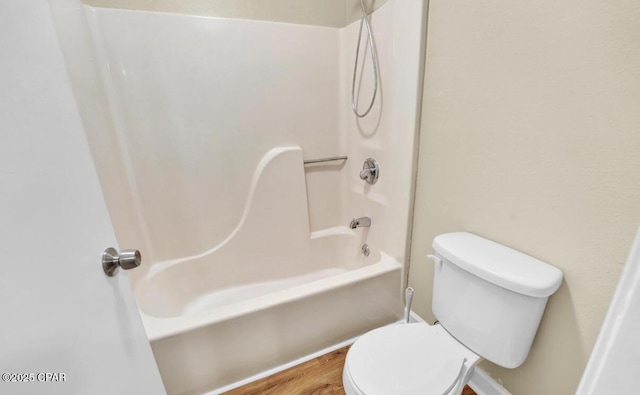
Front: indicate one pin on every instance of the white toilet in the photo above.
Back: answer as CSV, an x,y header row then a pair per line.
x,y
489,300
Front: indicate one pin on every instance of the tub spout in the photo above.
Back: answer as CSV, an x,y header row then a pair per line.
x,y
360,222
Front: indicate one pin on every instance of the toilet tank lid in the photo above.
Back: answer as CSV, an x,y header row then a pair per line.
x,y
498,264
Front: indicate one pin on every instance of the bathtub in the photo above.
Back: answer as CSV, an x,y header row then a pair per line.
x,y
226,335
260,299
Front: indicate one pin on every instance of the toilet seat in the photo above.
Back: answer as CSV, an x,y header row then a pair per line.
x,y
406,359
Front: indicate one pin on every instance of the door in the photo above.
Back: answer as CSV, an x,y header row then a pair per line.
x,y
614,361
65,327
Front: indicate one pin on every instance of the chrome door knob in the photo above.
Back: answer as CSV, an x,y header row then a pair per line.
x,y
127,259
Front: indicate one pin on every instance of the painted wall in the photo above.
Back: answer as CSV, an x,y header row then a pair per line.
x,y
530,137
330,13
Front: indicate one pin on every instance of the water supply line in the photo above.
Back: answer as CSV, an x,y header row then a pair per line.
x,y
408,298
374,60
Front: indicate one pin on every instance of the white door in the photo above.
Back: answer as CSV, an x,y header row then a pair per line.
x,y
65,327
614,364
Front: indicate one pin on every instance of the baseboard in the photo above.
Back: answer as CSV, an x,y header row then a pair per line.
x,y
483,384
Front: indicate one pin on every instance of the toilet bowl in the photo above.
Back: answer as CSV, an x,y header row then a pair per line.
x,y
407,359
489,300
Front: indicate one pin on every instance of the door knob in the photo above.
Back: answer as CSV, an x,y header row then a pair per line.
x,y
126,259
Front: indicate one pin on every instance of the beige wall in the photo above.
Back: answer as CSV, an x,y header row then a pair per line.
x,y
331,13
531,137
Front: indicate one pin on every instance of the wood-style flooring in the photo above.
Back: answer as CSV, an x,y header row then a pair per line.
x,y
319,376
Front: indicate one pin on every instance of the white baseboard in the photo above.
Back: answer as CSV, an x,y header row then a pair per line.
x,y
483,384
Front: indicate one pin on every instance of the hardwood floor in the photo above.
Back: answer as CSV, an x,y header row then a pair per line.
x,y
319,376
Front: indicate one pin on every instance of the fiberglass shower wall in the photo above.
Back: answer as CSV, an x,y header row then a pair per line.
x,y
199,102
185,107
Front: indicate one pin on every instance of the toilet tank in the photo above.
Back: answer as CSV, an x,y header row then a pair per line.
x,y
490,297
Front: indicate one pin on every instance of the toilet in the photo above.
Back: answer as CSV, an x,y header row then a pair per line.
x,y
488,299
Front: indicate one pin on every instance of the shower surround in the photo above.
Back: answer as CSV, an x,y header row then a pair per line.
x,y
199,127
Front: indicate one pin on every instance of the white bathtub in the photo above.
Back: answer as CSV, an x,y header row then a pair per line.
x,y
213,339
270,293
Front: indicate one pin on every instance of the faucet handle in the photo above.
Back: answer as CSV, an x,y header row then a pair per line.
x,y
370,171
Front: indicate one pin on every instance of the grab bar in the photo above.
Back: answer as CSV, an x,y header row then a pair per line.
x,y
331,159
